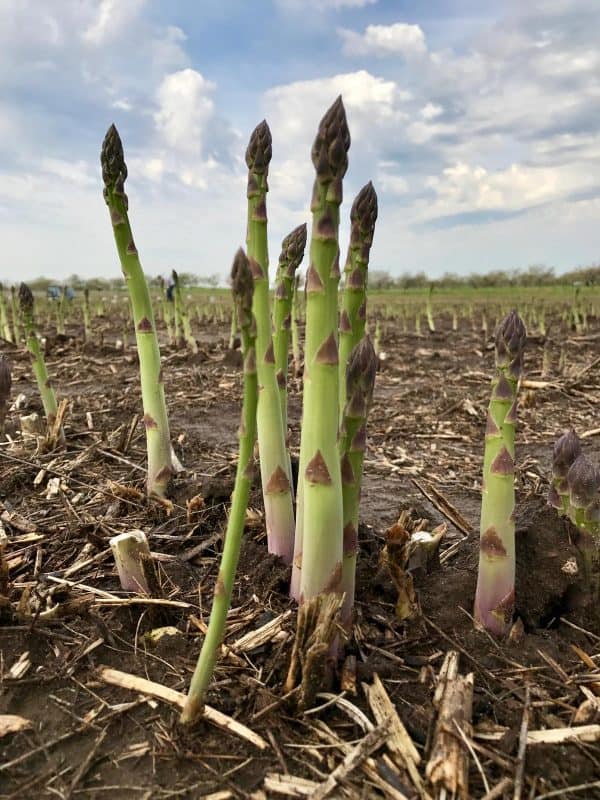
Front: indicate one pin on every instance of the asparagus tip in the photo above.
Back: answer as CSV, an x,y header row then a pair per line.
x,y
259,150
566,449
584,481
331,145
112,160
25,297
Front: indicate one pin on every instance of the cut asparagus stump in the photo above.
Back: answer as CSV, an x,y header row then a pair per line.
x,y
353,315
494,597
274,462
242,288
114,174
360,380
134,563
318,548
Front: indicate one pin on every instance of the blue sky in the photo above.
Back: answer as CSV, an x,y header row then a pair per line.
x,y
478,123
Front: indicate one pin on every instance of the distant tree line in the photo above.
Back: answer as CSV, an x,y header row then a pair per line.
x,y
535,275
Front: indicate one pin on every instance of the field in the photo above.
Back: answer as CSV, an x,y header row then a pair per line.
x,y
65,619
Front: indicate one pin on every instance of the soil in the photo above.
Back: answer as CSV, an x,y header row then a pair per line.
x,y
87,738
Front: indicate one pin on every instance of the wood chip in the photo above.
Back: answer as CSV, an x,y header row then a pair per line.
x,y
127,681
12,723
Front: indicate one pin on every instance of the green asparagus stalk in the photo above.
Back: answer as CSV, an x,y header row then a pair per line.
x,y
33,345
360,380
318,547
353,315
296,354
429,310
242,288
181,313
14,304
60,312
114,174
292,253
274,465
4,324
87,328
5,385
494,598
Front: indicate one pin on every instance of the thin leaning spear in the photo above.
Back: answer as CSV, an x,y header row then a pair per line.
x,y
242,289
274,463
114,174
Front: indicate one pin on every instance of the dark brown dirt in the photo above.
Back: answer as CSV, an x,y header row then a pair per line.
x,y
88,739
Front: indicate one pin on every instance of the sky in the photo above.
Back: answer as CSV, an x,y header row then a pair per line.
x,y
478,123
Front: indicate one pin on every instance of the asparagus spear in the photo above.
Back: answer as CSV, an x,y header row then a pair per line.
x,y
295,332
114,174
494,598
363,216
274,465
292,253
318,548
86,315
583,480
5,385
566,450
242,288
33,345
4,324
360,380
183,316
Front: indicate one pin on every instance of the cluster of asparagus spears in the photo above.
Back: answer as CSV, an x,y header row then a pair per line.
x,y
575,486
321,537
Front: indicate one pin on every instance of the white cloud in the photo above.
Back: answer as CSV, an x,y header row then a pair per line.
x,y
324,5
185,107
112,17
431,111
385,40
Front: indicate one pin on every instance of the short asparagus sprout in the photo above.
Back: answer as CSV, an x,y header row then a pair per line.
x,y
360,381
242,289
114,174
494,598
567,449
26,303
583,479
274,459
318,551
5,386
